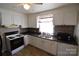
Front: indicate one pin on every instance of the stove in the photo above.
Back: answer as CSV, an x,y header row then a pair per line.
x,y
14,36
14,43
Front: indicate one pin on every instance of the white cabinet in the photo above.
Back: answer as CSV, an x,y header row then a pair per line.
x,y
66,49
70,17
35,41
65,17
58,18
49,46
46,45
9,18
38,42
26,40
53,47
32,40
20,20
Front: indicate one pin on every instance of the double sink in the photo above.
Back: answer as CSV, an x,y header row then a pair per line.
x,y
46,36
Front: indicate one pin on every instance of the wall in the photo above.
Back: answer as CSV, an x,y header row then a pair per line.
x,y
32,17
10,17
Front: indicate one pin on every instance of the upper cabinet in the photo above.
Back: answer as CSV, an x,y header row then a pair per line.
x,y
20,19
70,17
58,18
10,17
6,18
65,17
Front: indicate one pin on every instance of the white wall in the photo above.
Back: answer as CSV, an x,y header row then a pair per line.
x,y
10,17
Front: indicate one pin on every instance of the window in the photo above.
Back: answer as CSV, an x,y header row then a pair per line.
x,y
45,24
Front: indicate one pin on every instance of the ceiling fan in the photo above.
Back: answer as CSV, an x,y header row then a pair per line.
x,y
27,6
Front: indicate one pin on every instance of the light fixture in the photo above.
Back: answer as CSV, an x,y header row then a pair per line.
x,y
26,6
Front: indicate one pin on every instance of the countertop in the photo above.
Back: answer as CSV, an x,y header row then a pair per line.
x,y
53,38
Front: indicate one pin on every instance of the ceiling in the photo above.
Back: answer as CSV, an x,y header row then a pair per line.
x,y
34,8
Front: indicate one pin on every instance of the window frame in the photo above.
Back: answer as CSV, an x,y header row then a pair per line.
x,y
39,17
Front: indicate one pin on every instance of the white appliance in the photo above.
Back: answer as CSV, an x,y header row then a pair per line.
x,y
14,43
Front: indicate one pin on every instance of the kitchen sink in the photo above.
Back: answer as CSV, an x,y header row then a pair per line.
x,y
47,37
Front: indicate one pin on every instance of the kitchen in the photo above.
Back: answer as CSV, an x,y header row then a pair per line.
x,y
53,31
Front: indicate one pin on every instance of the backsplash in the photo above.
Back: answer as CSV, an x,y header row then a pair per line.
x,y
23,30
29,30
64,28
59,28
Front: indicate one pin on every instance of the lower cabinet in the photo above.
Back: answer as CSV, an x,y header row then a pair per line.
x,y
32,40
54,47
66,49
46,45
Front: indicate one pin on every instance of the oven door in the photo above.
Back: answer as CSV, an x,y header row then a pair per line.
x,y
16,43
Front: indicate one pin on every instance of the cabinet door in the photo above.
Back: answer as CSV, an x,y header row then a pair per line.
x,y
49,46
38,42
45,44
32,41
66,49
70,17
20,20
58,18
26,40
7,19
53,47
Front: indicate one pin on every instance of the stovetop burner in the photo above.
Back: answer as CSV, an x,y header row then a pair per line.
x,y
11,37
